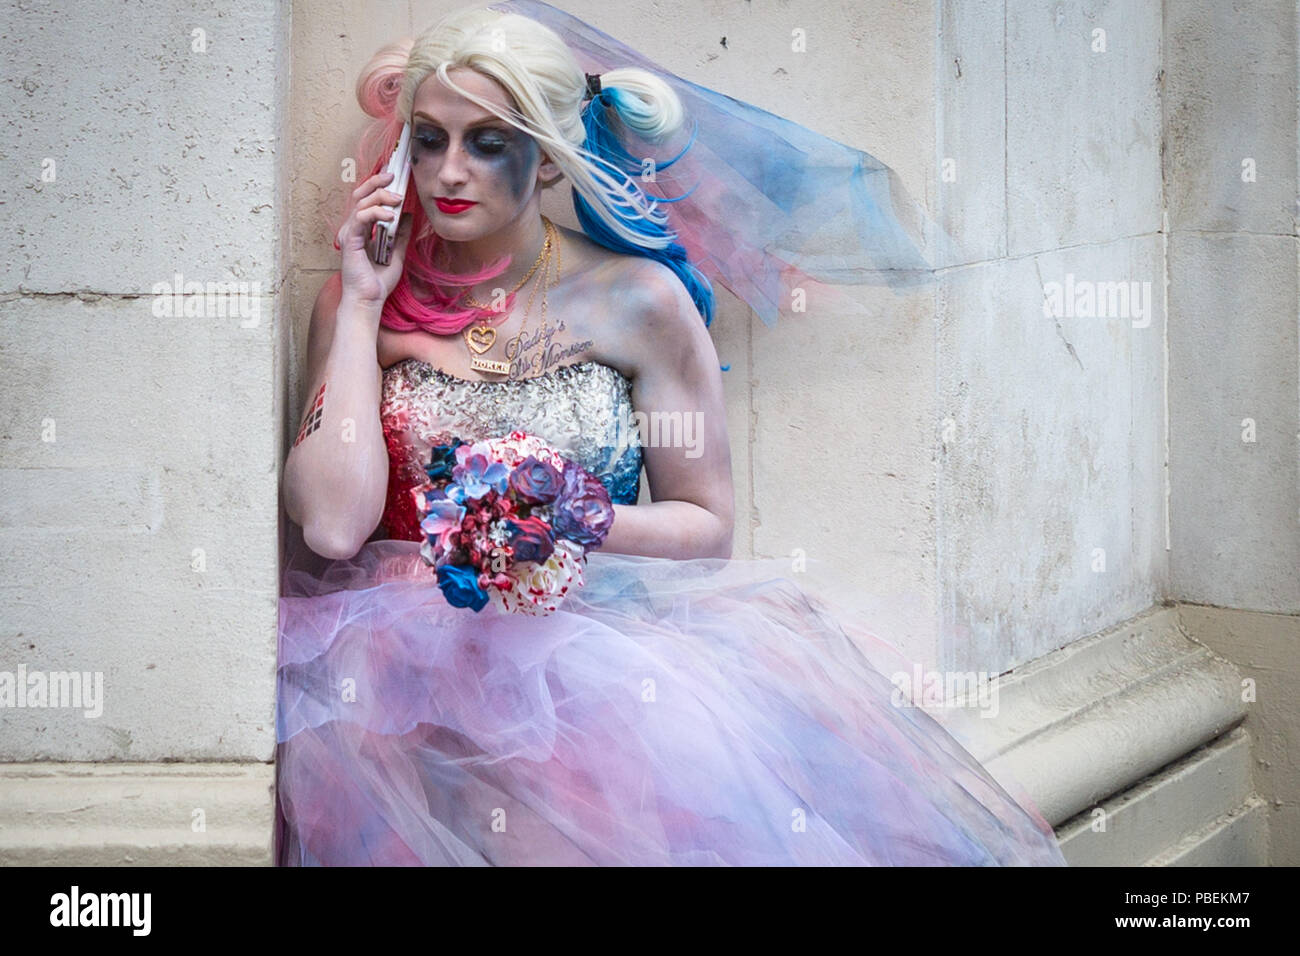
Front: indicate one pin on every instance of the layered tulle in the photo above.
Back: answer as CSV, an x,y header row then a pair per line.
x,y
701,712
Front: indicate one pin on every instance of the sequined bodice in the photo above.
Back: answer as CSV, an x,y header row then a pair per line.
x,y
583,409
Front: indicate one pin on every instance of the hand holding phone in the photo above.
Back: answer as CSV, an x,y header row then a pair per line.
x,y
399,164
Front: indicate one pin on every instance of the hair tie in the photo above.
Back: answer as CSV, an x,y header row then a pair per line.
x,y
593,84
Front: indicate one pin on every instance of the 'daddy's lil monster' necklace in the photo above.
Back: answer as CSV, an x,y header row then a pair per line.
x,y
481,336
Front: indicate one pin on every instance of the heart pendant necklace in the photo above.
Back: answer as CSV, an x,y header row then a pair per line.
x,y
480,337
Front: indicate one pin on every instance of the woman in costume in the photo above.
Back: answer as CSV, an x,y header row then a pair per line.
x,y
679,707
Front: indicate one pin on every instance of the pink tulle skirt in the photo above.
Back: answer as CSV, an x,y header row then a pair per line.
x,y
701,712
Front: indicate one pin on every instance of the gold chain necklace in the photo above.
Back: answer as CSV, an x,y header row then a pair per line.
x,y
544,282
471,301
480,338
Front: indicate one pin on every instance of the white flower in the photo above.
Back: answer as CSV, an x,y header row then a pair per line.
x,y
497,532
539,588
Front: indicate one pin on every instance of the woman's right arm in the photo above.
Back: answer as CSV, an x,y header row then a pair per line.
x,y
336,477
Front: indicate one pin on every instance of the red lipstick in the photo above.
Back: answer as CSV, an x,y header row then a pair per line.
x,y
452,206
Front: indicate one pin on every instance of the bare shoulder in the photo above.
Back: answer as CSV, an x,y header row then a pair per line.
x,y
634,310
667,329
657,295
648,308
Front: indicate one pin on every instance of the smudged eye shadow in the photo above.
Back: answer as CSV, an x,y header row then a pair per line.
x,y
517,162
507,151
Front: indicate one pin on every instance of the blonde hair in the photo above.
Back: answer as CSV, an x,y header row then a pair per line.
x,y
539,72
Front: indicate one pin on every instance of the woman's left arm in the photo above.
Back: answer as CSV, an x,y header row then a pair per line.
x,y
681,416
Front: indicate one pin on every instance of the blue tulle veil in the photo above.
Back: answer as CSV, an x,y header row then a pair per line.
x,y
775,212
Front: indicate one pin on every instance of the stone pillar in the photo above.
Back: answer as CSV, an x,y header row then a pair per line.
x,y
141,299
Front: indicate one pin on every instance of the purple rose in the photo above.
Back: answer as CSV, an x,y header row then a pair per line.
x,y
530,538
583,513
535,482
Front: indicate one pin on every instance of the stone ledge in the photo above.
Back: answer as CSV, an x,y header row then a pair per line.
x,y
110,814
1146,820
1095,717
1238,838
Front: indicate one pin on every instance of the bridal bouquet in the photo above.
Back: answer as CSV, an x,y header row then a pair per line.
x,y
509,520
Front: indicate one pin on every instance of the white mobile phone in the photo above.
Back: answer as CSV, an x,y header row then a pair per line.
x,y
399,164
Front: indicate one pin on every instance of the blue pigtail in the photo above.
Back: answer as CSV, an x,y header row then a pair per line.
x,y
605,146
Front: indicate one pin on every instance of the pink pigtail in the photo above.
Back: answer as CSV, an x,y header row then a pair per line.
x,y
380,82
378,87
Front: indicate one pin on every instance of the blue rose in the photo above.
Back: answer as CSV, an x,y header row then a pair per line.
x,y
460,587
